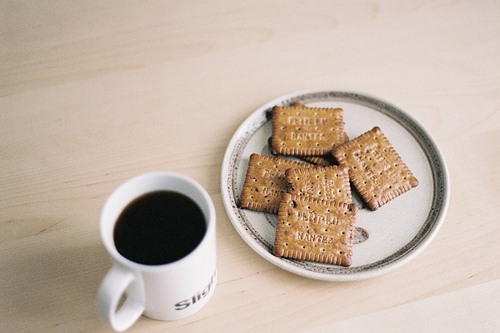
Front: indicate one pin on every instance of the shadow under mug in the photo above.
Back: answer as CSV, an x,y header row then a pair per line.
x,y
168,291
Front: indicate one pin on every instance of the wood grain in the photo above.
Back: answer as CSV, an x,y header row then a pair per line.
x,y
94,93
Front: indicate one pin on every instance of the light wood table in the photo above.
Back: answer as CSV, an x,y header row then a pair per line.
x,y
93,93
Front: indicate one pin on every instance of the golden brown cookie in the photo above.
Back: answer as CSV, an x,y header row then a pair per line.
x,y
265,182
375,168
306,131
327,183
327,156
326,160
315,230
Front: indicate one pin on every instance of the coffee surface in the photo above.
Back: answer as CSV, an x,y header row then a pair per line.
x,y
159,227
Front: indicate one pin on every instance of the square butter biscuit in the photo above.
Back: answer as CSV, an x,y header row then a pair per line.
x,y
326,160
265,182
299,130
328,183
315,230
375,168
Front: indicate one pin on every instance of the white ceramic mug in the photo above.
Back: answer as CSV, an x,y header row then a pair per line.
x,y
165,292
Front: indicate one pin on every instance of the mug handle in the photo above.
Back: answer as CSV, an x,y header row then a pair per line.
x,y
120,281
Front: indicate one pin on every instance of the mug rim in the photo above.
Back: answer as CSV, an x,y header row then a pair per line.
x,y
104,224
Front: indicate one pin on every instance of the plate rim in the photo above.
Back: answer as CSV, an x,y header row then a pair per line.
x,y
287,264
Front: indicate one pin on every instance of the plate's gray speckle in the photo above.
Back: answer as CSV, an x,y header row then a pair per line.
x,y
361,235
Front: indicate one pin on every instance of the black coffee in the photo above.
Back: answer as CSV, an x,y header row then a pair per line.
x,y
159,227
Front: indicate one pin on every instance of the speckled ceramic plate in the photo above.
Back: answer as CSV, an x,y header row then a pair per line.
x,y
390,236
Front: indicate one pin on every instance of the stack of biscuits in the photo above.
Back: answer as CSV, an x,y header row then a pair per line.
x,y
316,214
